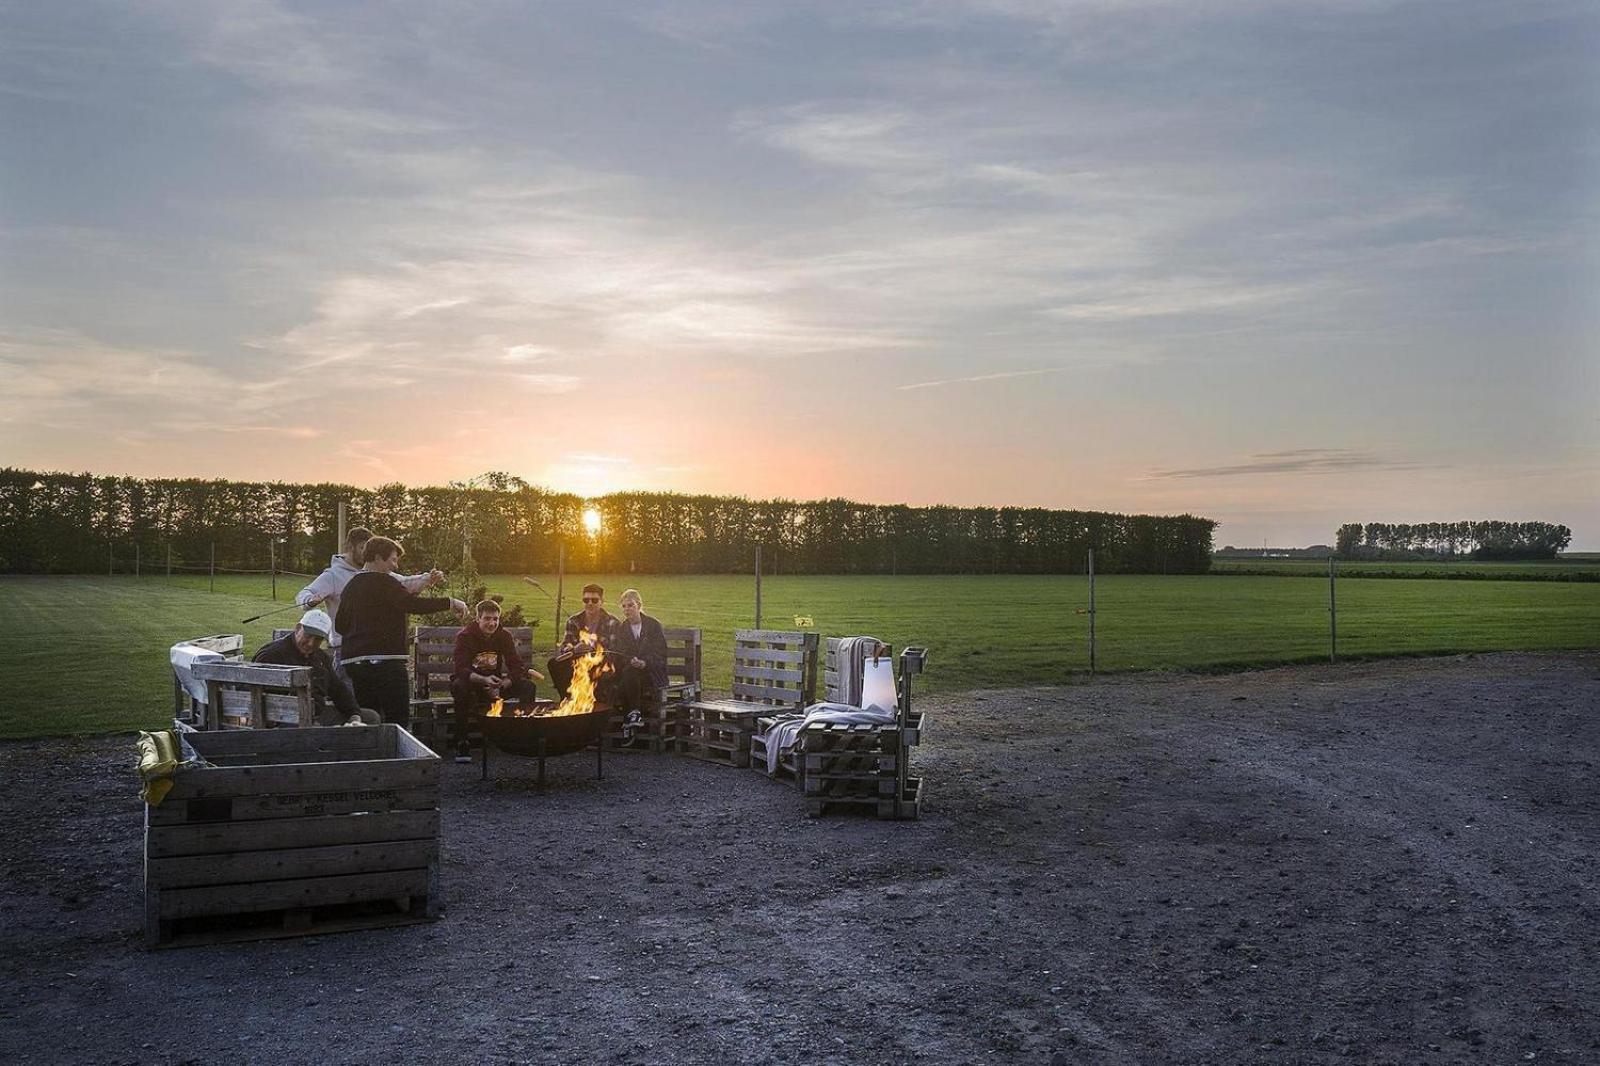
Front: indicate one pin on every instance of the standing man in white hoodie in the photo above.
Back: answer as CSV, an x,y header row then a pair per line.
x,y
326,588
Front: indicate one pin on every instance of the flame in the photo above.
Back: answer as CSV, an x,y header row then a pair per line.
x,y
587,669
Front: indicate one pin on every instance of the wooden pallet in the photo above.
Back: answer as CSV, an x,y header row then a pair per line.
x,y
663,731
721,733
860,765
905,807
789,765
292,832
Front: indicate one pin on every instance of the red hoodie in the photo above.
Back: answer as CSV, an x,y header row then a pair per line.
x,y
478,653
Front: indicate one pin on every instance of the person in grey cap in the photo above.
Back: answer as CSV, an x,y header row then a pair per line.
x,y
303,646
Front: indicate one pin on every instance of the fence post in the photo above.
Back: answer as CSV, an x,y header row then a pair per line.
x,y
561,578
1091,613
213,566
1333,615
135,558
758,586
169,558
340,546
111,558
272,565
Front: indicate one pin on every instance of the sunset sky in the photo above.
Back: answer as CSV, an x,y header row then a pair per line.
x,y
1283,265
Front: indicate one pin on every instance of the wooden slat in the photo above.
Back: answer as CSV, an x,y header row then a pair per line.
x,y
308,777
209,838
281,864
772,636
293,808
354,739
278,895
282,677
768,655
769,673
766,692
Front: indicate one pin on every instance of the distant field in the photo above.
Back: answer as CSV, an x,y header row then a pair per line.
x,y
89,655
1567,568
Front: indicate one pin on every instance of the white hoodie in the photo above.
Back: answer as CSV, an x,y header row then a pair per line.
x,y
329,584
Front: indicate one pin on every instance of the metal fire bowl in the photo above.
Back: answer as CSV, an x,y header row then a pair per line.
x,y
562,736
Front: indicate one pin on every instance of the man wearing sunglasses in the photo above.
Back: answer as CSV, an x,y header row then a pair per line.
x,y
595,620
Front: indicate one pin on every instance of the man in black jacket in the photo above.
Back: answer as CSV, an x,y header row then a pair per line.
x,y
372,621
303,647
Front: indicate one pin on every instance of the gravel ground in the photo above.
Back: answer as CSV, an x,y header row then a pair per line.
x,y
1382,862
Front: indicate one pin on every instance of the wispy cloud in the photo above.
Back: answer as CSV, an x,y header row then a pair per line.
x,y
1001,376
1293,461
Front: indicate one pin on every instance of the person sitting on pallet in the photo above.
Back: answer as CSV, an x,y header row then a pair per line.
x,y
595,620
487,668
638,653
303,647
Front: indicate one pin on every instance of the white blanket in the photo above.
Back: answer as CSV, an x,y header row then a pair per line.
x,y
862,679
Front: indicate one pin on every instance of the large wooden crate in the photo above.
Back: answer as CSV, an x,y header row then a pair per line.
x,y
291,832
773,671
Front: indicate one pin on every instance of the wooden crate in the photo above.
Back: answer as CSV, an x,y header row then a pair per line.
x,y
292,832
773,671
256,695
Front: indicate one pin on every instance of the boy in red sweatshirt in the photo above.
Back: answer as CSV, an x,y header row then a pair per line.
x,y
487,668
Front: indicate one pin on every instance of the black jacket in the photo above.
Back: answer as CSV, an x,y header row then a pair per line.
x,y
651,646
325,684
372,615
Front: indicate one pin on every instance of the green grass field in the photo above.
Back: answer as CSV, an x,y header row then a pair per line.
x,y
89,655
1567,568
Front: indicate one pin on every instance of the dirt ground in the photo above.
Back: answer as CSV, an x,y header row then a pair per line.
x,y
1383,862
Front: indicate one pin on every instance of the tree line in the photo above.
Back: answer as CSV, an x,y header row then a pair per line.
x,y
1477,540
72,523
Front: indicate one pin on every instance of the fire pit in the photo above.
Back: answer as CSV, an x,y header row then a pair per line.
x,y
544,728
533,732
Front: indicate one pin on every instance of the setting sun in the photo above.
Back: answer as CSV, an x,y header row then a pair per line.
x,y
591,521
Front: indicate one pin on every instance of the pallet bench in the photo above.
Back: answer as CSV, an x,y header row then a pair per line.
x,y
290,832
773,671
186,708
666,724
433,661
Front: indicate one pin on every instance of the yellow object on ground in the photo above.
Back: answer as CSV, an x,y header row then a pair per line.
x,y
159,755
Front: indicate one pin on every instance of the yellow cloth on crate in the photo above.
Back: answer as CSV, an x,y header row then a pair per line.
x,y
160,754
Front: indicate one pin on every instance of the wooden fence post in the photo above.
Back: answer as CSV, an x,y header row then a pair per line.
x,y
1333,615
169,558
758,586
272,565
1091,614
213,566
342,515
561,577
135,558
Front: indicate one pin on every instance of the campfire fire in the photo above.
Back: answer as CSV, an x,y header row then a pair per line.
x,y
587,669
